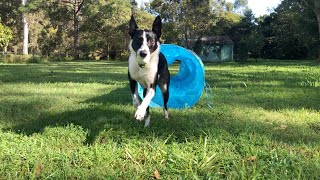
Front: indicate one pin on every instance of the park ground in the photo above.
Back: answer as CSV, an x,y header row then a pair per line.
x,y
75,120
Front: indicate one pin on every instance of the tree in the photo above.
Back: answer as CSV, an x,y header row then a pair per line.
x,y
238,4
5,37
75,6
315,6
44,16
290,32
247,37
187,19
169,11
11,17
25,31
196,19
316,9
105,27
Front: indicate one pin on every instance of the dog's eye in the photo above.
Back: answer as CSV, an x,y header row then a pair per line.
x,y
150,41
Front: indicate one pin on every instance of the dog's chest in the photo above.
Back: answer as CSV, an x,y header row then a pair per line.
x,y
145,76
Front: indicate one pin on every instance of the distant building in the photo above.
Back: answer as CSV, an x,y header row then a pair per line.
x,y
213,48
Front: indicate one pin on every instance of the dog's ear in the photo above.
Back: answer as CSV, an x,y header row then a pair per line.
x,y
156,27
132,26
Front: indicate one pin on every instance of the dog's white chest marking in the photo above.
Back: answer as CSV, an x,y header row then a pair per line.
x,y
145,76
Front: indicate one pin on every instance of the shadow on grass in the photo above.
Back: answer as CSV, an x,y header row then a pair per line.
x,y
226,79
97,114
110,112
273,90
271,100
268,62
114,110
84,72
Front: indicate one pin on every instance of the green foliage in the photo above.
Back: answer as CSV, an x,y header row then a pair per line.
x,y
247,37
186,19
9,12
24,59
39,24
105,22
230,17
74,120
15,59
291,32
105,27
50,40
5,36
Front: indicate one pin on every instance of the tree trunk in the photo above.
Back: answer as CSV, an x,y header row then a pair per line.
x,y
25,31
4,52
317,11
318,19
76,38
75,30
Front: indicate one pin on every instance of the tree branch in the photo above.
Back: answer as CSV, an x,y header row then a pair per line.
x,y
306,3
80,6
65,1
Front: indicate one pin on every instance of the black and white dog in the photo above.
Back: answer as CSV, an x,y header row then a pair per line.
x,y
148,66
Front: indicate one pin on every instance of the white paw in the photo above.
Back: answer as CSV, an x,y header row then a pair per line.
x,y
140,113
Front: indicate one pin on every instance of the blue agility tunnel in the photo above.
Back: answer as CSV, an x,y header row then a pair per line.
x,y
187,86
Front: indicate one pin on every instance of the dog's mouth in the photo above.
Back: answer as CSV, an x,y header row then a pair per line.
x,y
142,65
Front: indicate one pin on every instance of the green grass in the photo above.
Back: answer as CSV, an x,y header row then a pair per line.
x,y
74,120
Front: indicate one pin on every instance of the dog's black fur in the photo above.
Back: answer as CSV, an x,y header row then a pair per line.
x,y
148,66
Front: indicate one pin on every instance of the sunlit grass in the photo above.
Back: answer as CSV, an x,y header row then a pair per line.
x,y
75,120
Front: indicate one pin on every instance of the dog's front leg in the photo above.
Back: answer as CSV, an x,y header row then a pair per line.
x,y
134,91
141,110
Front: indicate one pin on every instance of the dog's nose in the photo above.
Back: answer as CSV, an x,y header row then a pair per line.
x,y
143,53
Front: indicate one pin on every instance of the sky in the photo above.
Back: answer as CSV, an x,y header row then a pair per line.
x,y
259,7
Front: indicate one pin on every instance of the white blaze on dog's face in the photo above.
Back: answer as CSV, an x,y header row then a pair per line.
x,y
144,42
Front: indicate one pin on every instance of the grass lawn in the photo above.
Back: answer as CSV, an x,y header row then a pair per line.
x,y
74,120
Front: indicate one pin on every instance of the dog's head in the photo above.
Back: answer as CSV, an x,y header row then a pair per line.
x,y
144,42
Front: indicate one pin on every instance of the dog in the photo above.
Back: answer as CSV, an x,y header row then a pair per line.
x,y
147,66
